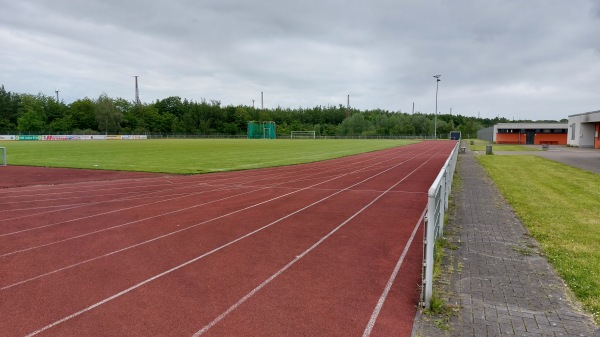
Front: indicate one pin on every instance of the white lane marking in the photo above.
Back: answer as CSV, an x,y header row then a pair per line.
x,y
204,222
172,212
185,185
62,320
391,280
123,225
208,182
287,266
149,195
178,196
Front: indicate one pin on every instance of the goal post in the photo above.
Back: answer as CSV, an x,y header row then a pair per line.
x,y
303,135
2,156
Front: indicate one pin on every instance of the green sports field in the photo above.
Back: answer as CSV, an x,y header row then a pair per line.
x,y
185,156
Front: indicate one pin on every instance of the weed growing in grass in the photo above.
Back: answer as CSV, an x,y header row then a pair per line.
x,y
441,311
523,250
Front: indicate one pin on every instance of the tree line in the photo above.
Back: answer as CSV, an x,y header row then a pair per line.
x,y
42,114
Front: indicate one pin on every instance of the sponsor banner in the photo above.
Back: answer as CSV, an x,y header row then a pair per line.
x,y
71,137
28,137
52,137
134,137
89,137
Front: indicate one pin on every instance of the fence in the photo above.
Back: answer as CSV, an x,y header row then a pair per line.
x,y
437,204
3,156
151,135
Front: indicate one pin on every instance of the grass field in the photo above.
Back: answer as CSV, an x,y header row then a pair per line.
x,y
185,156
479,145
560,205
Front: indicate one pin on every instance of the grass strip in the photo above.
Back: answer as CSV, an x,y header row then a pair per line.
x,y
185,156
560,205
480,145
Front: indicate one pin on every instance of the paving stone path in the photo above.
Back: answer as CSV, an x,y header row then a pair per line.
x,y
496,280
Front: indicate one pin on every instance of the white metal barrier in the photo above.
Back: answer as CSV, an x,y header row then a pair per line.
x,y
2,156
437,204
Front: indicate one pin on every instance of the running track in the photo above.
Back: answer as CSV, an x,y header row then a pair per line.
x,y
323,249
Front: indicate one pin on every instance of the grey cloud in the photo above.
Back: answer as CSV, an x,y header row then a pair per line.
x,y
535,58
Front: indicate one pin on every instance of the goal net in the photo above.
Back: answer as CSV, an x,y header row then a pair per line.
x,y
302,135
262,130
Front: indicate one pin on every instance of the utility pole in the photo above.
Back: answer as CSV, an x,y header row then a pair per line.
x,y
437,78
348,106
413,112
262,102
57,91
252,103
137,91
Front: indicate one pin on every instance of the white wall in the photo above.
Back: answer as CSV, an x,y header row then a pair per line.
x,y
583,126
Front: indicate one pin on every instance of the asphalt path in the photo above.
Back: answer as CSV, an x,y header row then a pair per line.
x,y
583,158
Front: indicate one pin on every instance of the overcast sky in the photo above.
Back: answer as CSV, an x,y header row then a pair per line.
x,y
522,59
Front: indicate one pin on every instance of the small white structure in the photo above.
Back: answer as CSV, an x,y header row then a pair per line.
x,y
584,130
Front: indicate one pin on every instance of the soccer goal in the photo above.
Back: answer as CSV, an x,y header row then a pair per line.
x,y
302,135
2,156
262,130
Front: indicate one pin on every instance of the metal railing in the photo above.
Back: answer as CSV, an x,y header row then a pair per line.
x,y
437,204
3,156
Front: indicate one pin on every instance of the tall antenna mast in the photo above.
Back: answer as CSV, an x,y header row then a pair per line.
x,y
347,106
137,91
57,91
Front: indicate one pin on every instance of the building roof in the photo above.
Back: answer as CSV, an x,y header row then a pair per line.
x,y
586,113
532,126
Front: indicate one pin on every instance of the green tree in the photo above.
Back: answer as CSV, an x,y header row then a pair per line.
x,y
108,116
32,117
422,125
354,125
82,112
9,110
63,124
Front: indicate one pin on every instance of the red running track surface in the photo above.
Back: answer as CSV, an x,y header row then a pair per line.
x,y
323,249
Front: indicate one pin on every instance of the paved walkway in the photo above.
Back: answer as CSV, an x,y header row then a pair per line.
x,y
584,158
496,280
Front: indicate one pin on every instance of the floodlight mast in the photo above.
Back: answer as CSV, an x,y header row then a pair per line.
x,y
137,91
437,81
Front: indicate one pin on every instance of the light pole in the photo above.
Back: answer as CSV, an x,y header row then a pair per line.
x,y
437,81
